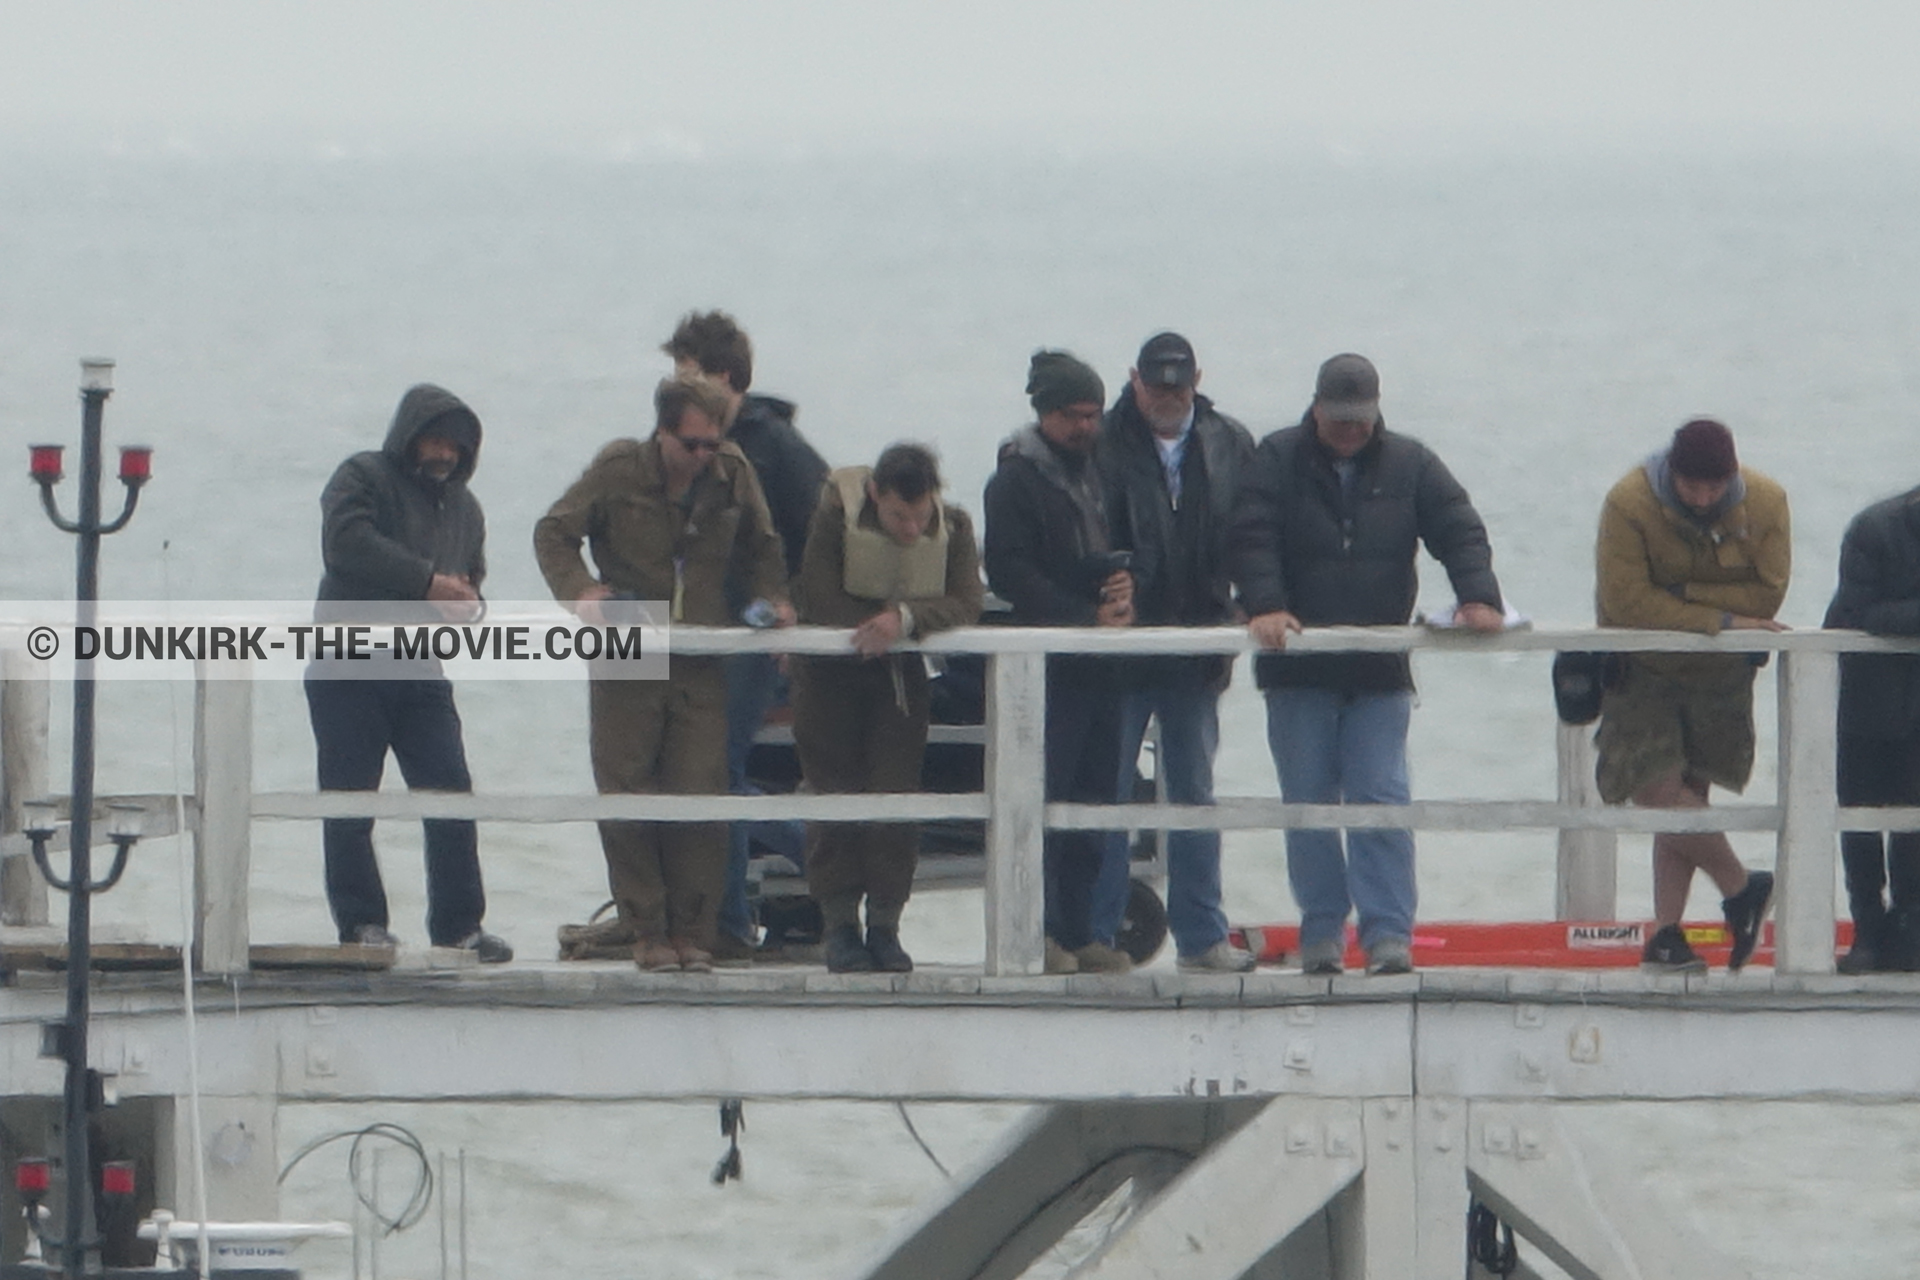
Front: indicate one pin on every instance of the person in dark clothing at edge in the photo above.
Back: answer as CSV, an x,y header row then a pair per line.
x,y
1049,554
711,345
1879,756
1172,465
1326,533
399,524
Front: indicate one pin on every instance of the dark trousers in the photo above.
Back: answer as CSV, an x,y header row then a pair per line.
x,y
355,724
1880,771
856,731
1083,758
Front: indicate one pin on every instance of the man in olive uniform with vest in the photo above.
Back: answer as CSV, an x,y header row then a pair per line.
x,y
888,558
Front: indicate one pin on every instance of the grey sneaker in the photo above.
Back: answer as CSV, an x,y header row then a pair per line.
x,y
1221,957
1323,959
1098,957
488,948
1389,956
1059,959
370,935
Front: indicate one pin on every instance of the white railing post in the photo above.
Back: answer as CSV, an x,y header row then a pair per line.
x,y
222,837
1585,887
23,776
1810,816
1016,769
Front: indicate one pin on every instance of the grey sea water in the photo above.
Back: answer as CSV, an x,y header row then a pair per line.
x,y
1543,322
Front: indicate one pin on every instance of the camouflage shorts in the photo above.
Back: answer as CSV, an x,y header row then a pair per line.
x,y
1651,727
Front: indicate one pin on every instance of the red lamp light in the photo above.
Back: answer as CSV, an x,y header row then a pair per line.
x,y
44,465
116,1178
33,1176
136,463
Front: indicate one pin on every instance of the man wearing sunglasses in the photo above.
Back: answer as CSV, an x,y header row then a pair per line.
x,y
711,346
666,519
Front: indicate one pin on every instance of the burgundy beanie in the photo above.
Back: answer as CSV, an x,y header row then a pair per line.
x,y
1703,450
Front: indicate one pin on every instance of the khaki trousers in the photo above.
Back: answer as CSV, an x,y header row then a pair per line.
x,y
852,735
664,737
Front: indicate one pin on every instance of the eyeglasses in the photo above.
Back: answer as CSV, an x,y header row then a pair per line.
x,y
696,444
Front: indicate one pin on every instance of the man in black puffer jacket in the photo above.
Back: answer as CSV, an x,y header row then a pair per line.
x,y
1325,534
1879,760
1173,464
712,346
400,524
1048,553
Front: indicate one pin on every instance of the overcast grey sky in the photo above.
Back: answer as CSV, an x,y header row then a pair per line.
x,y
639,79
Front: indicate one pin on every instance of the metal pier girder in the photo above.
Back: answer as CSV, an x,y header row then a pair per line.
x,y
1296,1188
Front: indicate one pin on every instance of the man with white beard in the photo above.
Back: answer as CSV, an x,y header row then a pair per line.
x,y
1172,465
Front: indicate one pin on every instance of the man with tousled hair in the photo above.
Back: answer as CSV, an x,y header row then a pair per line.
x,y
670,518
1689,541
711,345
1049,553
888,558
400,524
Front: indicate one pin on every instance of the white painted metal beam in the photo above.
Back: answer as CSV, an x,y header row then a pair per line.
x,y
1593,1219
1044,1176
839,1048
223,839
23,777
1585,885
1016,770
1241,1199
1809,694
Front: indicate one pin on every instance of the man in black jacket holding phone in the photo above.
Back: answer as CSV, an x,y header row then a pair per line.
x,y
1049,553
1173,465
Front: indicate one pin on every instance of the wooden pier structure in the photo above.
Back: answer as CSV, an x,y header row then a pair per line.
x,y
1268,1125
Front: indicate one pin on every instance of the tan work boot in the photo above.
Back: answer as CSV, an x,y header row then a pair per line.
x,y
655,956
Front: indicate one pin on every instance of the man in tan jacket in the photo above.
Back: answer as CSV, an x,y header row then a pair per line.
x,y
888,558
665,518
1689,541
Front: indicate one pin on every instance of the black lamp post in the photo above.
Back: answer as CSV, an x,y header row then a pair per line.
x,y
80,1241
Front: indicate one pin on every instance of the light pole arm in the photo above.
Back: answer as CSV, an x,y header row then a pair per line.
x,y
60,522
126,512
40,860
121,848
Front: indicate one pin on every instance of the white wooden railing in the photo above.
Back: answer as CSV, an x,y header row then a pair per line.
x,y
1805,817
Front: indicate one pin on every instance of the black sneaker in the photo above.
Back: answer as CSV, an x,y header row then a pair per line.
x,y
488,948
1667,952
845,953
370,935
1745,911
883,945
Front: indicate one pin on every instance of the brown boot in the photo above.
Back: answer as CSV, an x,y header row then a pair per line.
x,y
693,959
655,956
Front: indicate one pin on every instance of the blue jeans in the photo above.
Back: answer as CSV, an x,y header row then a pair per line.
x,y
754,685
1189,711
1332,748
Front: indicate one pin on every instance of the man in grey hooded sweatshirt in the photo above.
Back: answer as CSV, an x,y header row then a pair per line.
x,y
399,524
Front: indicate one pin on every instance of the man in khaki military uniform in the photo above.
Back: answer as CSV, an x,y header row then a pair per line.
x,y
886,557
665,518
